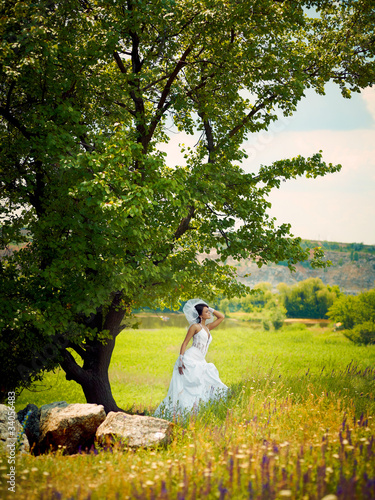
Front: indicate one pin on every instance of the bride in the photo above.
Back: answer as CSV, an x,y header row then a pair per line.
x,y
194,380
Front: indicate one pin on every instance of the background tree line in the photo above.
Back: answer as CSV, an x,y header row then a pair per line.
x,y
310,299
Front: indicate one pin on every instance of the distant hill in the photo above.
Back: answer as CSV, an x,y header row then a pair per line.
x,y
353,268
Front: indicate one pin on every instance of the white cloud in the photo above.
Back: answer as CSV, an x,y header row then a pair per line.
x,y
340,206
333,216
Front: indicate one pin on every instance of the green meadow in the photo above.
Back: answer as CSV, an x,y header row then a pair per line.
x,y
298,423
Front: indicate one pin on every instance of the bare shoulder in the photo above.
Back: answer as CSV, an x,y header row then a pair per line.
x,y
193,329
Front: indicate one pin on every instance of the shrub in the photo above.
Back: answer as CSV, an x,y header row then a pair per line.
x,y
363,333
357,316
277,317
266,324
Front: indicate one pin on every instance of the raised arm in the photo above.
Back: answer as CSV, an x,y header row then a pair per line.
x,y
219,318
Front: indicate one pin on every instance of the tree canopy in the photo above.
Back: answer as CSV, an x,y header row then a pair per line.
x,y
88,92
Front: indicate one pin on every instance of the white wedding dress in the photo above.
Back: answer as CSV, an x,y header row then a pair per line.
x,y
200,381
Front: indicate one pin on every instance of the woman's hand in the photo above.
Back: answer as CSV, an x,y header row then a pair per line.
x,y
181,369
181,365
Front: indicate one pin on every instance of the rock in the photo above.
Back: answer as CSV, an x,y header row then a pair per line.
x,y
8,420
70,427
133,431
46,409
32,427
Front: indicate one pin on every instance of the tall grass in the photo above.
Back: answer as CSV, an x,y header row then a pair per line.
x,y
297,424
142,362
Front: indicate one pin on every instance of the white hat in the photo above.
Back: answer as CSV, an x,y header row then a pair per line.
x,y
190,312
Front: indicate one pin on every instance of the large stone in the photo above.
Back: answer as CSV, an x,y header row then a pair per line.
x,y
32,427
12,439
71,428
46,409
133,431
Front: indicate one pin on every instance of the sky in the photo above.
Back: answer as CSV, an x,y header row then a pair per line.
x,y
337,207
340,206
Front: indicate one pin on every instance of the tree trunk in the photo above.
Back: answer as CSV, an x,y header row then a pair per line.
x,y
97,389
93,375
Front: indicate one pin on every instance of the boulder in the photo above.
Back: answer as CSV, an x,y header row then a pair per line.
x,y
32,429
133,431
11,432
70,427
46,409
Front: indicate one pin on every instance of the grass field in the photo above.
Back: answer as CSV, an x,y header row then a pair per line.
x,y
298,424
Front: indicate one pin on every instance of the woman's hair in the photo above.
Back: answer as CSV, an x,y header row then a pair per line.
x,y
199,308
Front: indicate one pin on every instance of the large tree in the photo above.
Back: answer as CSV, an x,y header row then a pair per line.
x,y
88,92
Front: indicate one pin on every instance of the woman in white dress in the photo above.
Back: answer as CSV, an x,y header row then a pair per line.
x,y
194,380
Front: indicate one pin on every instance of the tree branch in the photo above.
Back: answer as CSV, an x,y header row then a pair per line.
x,y
209,137
5,113
162,106
182,228
71,368
147,87
119,62
11,87
249,116
79,350
122,105
115,315
184,224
